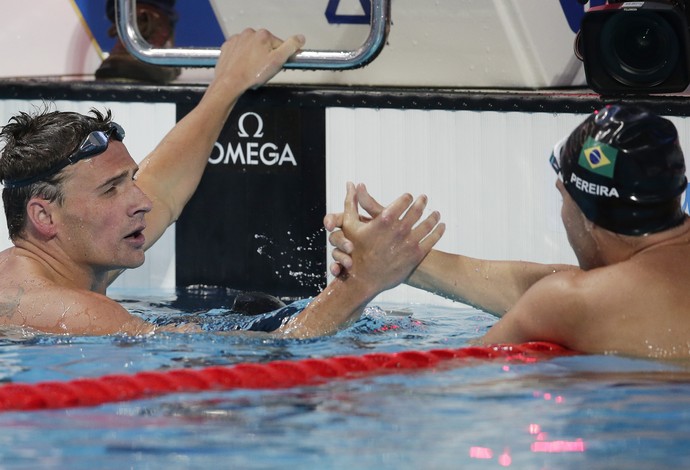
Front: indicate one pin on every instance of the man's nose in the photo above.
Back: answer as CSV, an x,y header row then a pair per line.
x,y
142,203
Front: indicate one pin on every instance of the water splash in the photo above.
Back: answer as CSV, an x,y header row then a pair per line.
x,y
298,261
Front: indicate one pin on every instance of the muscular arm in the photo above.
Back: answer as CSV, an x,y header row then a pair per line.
x,y
170,174
493,286
339,304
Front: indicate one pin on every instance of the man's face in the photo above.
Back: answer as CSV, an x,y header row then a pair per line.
x,y
101,220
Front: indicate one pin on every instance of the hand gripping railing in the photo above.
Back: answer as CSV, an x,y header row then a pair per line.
x,y
126,21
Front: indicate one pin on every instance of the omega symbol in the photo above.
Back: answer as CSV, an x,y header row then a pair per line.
x,y
259,125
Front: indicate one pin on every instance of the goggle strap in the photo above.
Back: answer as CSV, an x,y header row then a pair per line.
x,y
115,131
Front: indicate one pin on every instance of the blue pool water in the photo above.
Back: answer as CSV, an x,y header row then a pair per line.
x,y
593,412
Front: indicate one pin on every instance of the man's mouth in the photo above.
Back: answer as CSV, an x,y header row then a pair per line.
x,y
136,237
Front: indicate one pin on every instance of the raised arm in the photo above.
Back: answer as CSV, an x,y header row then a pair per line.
x,y
171,173
493,286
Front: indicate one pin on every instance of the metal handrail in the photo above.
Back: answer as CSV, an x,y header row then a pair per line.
x,y
126,21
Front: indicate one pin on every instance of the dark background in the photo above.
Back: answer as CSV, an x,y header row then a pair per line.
x,y
259,227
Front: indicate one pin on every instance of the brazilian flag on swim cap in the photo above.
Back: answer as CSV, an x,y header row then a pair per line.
x,y
597,157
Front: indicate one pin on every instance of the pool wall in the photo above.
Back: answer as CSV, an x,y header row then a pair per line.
x,y
282,160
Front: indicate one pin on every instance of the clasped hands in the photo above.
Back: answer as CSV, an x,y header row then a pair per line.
x,y
383,248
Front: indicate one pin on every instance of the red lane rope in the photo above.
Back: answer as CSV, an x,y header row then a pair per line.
x,y
270,375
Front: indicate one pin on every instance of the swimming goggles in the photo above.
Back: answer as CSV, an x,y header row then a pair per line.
x,y
556,156
94,144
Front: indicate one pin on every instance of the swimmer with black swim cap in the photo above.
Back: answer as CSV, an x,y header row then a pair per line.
x,y
625,170
622,174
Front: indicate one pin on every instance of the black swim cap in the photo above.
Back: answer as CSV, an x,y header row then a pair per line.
x,y
625,169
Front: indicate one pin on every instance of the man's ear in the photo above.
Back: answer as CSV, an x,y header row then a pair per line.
x,y
40,217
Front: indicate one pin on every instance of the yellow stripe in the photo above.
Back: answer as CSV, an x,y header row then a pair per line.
x,y
86,28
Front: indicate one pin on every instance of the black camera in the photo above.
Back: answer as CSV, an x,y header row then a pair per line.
x,y
635,47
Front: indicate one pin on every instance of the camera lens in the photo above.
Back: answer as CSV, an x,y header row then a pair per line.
x,y
639,48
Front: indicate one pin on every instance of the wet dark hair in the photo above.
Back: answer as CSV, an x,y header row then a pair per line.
x,y
33,144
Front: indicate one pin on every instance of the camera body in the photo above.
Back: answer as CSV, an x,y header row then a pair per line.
x,y
636,47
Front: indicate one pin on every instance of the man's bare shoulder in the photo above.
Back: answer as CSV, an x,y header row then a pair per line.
x,y
618,291
30,298
654,278
637,307
55,309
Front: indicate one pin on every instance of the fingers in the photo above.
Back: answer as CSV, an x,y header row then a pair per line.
x,y
404,209
286,49
367,202
429,231
351,208
400,227
338,240
430,241
425,233
273,43
333,221
414,212
257,56
395,210
335,269
343,259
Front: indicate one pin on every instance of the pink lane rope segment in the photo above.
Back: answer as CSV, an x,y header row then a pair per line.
x,y
270,375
